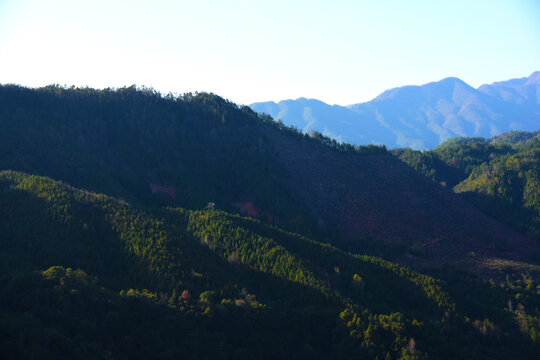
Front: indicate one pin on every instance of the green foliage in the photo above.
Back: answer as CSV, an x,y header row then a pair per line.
x,y
499,175
508,188
514,137
68,276
453,161
458,141
155,150
87,275
248,279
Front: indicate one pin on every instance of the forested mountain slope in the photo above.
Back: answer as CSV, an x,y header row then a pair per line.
x,y
206,284
499,175
199,149
508,187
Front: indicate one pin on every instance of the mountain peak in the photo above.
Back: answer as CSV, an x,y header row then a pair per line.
x,y
448,82
451,79
420,116
534,78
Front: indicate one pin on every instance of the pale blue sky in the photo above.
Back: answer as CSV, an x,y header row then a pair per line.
x,y
337,51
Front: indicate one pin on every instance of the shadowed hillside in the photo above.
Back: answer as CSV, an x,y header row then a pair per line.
x,y
199,149
373,196
208,283
499,175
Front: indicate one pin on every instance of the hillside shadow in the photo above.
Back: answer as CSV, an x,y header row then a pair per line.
x,y
38,238
506,212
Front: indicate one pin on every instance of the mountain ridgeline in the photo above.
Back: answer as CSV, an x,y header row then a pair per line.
x,y
500,175
136,225
419,117
196,150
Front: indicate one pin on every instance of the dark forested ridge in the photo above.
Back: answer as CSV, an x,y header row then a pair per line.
x,y
198,149
134,225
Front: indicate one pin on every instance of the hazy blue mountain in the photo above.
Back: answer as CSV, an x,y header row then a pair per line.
x,y
523,91
420,117
338,122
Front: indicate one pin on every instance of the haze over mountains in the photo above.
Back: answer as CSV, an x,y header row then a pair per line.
x,y
420,117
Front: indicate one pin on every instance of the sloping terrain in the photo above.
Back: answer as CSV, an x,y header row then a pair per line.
x,y
508,187
142,147
196,150
337,122
420,117
523,91
371,197
176,283
499,175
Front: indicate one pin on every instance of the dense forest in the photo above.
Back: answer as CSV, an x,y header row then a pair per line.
x,y
500,175
141,146
194,150
123,281
136,225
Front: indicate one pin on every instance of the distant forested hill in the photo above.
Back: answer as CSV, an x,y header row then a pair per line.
x,y
420,117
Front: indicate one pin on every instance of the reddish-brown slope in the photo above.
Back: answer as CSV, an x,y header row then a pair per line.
x,y
381,197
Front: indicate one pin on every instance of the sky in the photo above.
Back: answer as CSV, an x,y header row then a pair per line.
x,y
341,52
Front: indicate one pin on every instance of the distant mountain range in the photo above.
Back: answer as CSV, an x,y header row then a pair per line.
x,y
420,117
